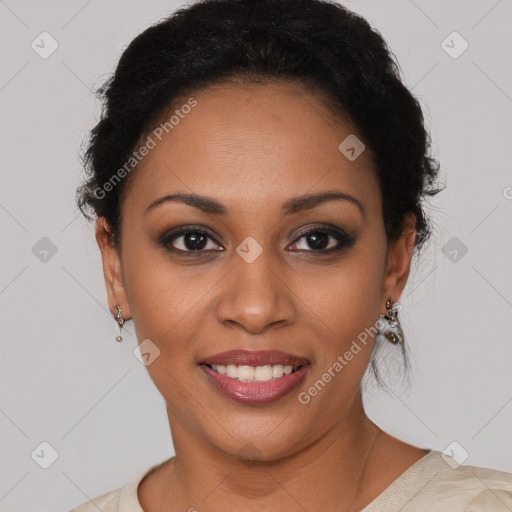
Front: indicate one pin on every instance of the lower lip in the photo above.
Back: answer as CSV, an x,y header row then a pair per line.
x,y
256,392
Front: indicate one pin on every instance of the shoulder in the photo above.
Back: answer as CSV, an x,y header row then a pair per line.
x,y
450,486
123,499
108,502
437,483
478,488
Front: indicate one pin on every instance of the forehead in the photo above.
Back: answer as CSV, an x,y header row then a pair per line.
x,y
255,143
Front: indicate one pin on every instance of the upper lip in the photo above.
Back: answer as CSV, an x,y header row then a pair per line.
x,y
255,358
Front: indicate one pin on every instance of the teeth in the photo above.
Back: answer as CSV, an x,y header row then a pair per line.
x,y
277,371
231,370
254,373
246,373
263,373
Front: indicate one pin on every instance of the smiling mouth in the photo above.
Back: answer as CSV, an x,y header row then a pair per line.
x,y
246,373
255,376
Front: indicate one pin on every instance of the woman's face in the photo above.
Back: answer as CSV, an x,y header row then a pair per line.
x,y
272,271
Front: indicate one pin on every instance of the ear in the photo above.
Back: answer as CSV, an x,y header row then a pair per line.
x,y
112,270
398,263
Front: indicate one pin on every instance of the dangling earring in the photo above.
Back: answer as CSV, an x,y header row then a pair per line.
x,y
393,331
120,321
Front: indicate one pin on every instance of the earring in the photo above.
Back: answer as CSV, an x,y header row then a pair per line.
x,y
120,321
393,331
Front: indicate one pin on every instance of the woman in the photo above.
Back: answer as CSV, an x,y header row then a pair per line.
x,y
258,179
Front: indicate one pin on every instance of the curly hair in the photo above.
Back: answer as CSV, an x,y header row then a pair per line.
x,y
317,43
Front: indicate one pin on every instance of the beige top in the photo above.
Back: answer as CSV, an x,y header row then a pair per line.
x,y
435,483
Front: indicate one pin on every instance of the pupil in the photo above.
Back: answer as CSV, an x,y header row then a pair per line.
x,y
318,240
195,241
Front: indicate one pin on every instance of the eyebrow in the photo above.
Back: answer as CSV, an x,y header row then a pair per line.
x,y
291,206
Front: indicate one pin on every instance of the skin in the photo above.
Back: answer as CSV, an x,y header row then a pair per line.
x,y
252,148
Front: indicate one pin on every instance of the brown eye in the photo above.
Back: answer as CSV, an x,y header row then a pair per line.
x,y
323,240
318,240
190,240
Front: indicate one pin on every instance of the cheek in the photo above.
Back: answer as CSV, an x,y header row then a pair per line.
x,y
344,298
167,301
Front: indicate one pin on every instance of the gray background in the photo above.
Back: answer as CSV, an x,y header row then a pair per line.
x,y
67,382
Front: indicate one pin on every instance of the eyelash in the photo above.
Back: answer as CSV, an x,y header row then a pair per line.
x,y
344,240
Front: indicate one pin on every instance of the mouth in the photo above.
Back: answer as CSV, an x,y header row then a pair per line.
x,y
255,377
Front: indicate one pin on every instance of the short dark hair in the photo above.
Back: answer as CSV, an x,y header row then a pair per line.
x,y
318,43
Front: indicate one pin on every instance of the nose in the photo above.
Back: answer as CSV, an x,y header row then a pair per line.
x,y
255,297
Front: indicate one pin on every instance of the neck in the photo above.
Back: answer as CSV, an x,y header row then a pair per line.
x,y
329,469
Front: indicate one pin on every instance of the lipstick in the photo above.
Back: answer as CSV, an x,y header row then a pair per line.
x,y
255,377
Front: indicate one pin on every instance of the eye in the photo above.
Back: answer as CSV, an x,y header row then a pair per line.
x,y
323,240
190,241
